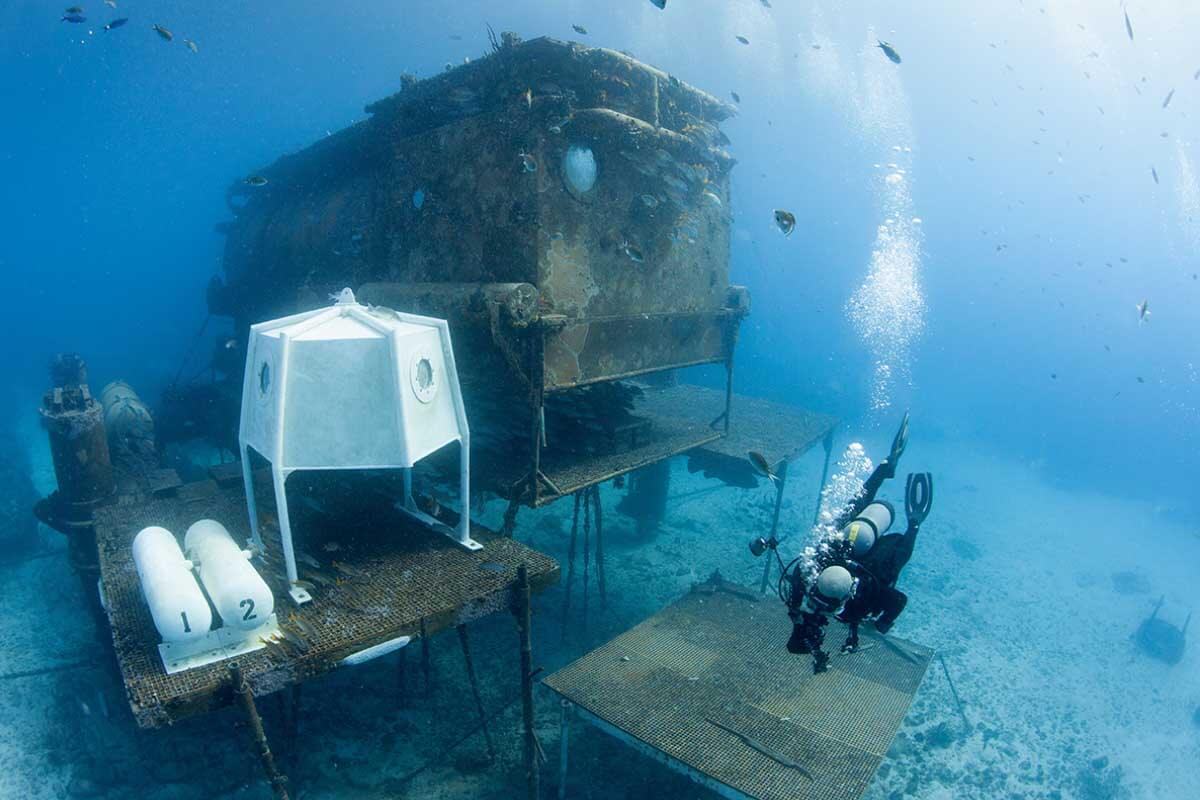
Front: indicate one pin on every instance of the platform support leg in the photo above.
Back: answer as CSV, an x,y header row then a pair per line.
x,y
571,566
779,484
599,546
827,443
563,728
522,611
402,678
587,551
466,648
245,699
291,722
425,657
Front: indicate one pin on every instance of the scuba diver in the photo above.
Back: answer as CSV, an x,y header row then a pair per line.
x,y
853,576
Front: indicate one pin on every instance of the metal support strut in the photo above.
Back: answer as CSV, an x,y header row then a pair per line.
x,y
466,648
522,612
245,698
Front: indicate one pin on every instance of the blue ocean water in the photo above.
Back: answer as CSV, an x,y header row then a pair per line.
x,y
976,228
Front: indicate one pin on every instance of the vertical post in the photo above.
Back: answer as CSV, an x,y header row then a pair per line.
x,y
587,553
251,501
564,713
571,566
779,484
728,387
425,657
599,546
523,624
402,678
245,698
466,648
827,443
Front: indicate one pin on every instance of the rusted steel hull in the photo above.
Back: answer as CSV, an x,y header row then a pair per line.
x,y
462,196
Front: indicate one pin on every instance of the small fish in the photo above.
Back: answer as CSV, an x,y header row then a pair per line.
x,y
1128,26
191,45
255,180
528,97
164,33
527,162
110,3
331,547
766,3
456,37
1140,379
1143,309
1154,174
1196,75
305,558
73,18
74,10
711,196
116,23
582,31
632,252
307,586
649,200
304,625
742,39
659,4
231,344
785,220
759,462
735,97
1167,99
889,51
347,571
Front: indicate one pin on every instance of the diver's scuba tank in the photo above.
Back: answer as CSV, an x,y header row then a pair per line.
x,y
865,529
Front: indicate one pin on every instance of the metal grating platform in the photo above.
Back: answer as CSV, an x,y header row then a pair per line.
x,y
779,431
707,686
389,576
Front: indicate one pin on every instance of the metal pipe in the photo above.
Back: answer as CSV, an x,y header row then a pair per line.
x,y
245,698
425,671
779,484
571,566
466,648
524,624
564,714
827,443
599,546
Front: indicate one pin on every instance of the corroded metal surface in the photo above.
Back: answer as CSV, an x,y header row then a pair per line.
x,y
393,578
709,675
454,200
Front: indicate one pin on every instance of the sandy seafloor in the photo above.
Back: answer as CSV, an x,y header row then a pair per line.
x,y
1012,581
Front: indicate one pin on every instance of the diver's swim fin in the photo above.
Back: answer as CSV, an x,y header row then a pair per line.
x,y
918,496
899,442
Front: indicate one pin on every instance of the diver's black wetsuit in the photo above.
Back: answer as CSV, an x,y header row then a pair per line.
x,y
877,573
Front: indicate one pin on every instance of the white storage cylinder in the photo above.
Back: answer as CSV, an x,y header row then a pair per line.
x,y
240,595
177,605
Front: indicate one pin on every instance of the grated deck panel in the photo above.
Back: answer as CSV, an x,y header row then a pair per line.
x,y
715,660
394,574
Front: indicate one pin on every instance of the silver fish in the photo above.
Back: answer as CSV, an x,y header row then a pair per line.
x,y
582,31
632,252
1167,99
1128,26
164,33
1143,309
786,221
527,163
761,466
255,180
191,45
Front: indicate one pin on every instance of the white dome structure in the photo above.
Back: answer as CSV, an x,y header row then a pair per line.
x,y
351,387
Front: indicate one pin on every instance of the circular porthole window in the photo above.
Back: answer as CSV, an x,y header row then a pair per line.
x,y
424,378
264,378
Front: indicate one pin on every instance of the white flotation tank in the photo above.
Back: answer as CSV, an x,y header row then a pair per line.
x,y
177,605
240,595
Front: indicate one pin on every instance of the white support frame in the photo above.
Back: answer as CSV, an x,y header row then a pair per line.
x,y
279,475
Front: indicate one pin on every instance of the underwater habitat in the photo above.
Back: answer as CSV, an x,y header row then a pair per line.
x,y
559,400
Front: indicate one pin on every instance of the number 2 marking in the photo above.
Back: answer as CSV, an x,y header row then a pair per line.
x,y
248,604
